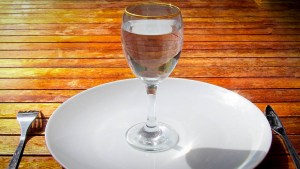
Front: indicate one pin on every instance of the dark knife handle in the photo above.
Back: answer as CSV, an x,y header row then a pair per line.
x,y
292,151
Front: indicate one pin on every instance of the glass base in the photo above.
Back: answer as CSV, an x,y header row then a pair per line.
x,y
161,138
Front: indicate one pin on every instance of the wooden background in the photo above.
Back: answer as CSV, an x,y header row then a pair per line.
x,y
51,50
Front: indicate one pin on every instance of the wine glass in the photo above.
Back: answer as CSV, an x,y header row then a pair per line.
x,y
152,38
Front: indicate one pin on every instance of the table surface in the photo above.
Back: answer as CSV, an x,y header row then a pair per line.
x,y
53,49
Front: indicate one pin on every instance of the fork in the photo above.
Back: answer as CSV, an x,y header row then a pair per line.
x,y
25,118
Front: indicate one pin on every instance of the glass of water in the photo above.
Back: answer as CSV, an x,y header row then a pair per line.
x,y
152,38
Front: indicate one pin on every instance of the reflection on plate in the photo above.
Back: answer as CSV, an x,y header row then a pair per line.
x,y
217,128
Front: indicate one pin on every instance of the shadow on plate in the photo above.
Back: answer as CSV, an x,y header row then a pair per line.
x,y
214,158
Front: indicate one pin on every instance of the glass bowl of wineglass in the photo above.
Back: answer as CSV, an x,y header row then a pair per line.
x,y
152,38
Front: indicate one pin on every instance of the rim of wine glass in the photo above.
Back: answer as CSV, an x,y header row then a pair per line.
x,y
154,16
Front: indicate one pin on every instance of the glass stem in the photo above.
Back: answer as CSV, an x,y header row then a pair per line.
x,y
151,124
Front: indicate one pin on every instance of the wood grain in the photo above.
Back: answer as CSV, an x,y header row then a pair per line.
x,y
77,31
53,96
187,38
33,162
185,72
51,50
229,83
184,62
117,13
36,162
10,110
36,145
222,45
117,53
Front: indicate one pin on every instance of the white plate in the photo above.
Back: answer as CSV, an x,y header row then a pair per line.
x,y
217,128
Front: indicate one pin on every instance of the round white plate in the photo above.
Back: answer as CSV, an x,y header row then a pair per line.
x,y
217,128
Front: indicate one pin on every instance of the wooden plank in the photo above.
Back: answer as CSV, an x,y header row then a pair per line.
x,y
189,25
36,162
241,38
63,26
184,72
241,45
11,127
72,13
54,96
36,145
258,24
116,32
245,32
77,32
187,38
59,46
121,63
236,62
253,53
118,53
62,20
118,12
118,20
230,83
122,4
244,19
183,62
56,83
186,46
63,63
38,96
282,109
276,162
287,25
114,3
270,95
236,72
261,5
253,83
10,110
282,31
65,73
32,162
131,1
268,30
92,53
